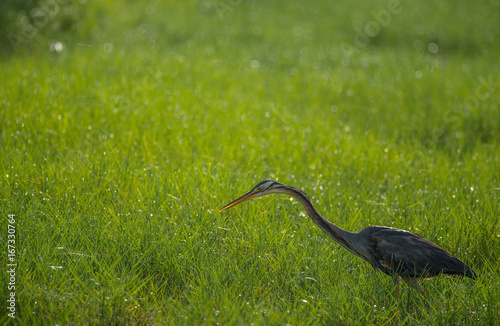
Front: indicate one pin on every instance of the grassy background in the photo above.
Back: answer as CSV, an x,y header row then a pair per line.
x,y
125,126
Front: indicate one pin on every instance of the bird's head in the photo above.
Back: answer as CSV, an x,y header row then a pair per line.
x,y
263,188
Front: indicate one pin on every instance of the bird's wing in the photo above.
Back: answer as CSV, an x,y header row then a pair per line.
x,y
408,254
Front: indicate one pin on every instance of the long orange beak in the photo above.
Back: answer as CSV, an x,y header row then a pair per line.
x,y
249,195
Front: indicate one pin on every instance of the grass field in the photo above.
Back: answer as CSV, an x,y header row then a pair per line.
x,y
124,127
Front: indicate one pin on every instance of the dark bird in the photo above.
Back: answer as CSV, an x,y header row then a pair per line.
x,y
395,252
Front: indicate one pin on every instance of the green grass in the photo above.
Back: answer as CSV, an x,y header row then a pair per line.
x,y
118,151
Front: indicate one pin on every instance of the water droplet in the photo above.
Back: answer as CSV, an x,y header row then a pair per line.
x,y
433,48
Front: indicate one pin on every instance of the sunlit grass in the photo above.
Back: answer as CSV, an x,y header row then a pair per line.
x,y
118,151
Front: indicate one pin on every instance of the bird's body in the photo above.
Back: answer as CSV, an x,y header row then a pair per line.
x,y
397,253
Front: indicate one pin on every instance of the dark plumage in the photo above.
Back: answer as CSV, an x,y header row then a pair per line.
x,y
395,252
411,255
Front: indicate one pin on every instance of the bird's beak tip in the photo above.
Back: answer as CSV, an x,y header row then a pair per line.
x,y
241,199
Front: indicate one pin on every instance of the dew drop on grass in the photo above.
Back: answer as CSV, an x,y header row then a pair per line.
x,y
433,48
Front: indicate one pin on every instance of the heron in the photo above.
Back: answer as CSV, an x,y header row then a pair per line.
x,y
397,253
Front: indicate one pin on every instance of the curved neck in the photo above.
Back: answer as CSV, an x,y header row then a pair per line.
x,y
340,236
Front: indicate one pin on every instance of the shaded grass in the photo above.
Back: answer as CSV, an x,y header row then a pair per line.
x,y
115,163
